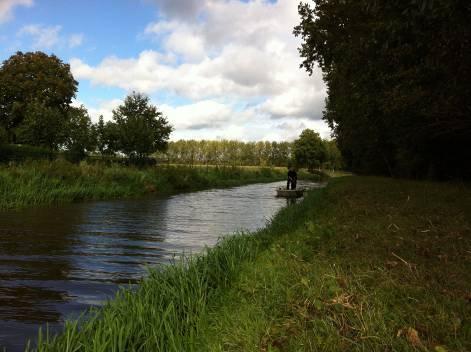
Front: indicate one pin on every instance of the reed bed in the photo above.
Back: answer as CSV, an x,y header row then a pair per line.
x,y
54,182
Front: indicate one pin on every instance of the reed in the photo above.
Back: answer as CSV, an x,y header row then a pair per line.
x,y
54,182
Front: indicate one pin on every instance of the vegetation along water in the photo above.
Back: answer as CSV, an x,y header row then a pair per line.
x,y
53,182
367,264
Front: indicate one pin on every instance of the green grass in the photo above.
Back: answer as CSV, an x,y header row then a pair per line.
x,y
367,264
53,182
377,265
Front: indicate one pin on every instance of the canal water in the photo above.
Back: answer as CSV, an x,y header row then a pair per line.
x,y
56,262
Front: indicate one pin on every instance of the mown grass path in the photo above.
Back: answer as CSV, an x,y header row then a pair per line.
x,y
367,264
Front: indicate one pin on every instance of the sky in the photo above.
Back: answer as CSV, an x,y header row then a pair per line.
x,y
217,69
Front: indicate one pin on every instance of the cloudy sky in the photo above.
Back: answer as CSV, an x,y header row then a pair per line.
x,y
216,68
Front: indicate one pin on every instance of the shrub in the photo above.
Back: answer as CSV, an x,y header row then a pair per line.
x,y
19,153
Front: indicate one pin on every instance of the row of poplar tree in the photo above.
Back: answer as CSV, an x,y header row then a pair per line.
x,y
308,150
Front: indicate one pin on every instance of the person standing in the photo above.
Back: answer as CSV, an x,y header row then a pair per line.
x,y
292,179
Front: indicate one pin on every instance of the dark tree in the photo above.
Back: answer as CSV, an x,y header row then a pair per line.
x,y
398,76
309,150
140,129
3,135
33,78
334,157
105,137
42,126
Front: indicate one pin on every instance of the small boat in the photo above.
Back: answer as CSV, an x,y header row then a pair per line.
x,y
289,193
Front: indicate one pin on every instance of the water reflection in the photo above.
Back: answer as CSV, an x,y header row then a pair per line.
x,y
56,262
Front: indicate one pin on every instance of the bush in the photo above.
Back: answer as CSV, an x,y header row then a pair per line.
x,y
18,153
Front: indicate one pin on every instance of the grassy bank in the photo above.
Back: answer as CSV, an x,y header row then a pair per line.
x,y
367,264
46,182
376,265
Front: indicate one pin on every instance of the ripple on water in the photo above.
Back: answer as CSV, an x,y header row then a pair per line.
x,y
56,262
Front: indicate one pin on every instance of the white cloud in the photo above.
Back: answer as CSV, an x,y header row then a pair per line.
x,y
44,37
210,119
201,115
75,40
239,71
47,37
6,8
296,103
105,109
215,51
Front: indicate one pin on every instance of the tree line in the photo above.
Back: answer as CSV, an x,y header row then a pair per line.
x,y
36,92
309,150
398,74
228,152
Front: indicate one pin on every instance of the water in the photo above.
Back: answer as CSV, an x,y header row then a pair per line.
x,y
57,262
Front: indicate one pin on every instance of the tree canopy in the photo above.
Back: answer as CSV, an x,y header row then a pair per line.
x,y
42,126
228,152
138,128
238,153
309,150
30,82
398,76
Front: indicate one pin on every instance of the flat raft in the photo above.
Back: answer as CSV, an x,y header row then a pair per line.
x,y
289,193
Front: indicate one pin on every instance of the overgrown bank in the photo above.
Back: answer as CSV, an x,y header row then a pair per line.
x,y
51,182
367,264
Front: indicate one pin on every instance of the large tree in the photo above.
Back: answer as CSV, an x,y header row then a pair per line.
x,y
42,126
309,150
398,76
33,78
140,128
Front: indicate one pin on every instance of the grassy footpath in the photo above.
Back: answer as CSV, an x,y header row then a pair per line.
x,y
367,264
46,182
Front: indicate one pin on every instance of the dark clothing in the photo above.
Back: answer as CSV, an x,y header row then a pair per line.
x,y
292,179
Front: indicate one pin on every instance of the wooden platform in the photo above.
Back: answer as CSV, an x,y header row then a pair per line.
x,y
289,193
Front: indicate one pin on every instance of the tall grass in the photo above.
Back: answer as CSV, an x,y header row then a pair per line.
x,y
52,182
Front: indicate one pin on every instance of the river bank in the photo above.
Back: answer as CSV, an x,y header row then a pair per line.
x,y
54,182
366,264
